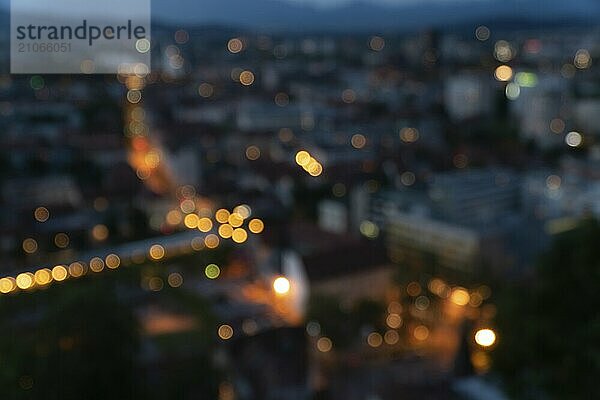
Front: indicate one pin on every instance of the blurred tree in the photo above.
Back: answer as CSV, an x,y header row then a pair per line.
x,y
81,340
549,329
68,342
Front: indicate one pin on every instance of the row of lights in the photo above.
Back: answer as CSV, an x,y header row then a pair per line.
x,y
174,217
45,276
231,223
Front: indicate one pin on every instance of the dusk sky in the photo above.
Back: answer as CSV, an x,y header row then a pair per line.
x,y
328,3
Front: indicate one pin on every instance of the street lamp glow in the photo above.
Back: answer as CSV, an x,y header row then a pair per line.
x,y
485,337
281,285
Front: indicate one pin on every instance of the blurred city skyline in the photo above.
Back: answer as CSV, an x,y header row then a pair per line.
x,y
304,200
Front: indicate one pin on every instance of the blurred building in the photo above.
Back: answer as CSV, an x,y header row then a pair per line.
x,y
540,100
468,95
414,237
475,197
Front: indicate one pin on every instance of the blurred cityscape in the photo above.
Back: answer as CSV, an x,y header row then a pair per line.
x,y
303,215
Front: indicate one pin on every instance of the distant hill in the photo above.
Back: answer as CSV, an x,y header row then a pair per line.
x,y
281,15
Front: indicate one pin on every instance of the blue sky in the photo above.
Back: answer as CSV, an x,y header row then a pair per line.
x,y
328,3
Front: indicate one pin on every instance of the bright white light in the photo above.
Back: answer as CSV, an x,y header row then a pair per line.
x,y
485,337
281,285
573,139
